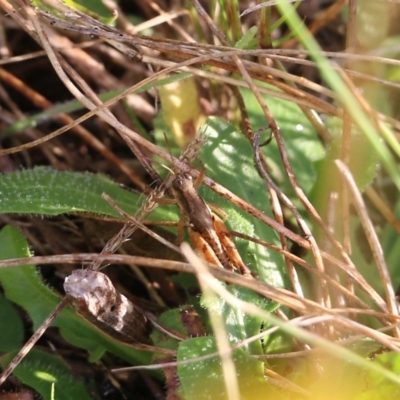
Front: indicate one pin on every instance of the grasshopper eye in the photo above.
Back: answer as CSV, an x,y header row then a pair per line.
x,y
177,183
183,180
187,176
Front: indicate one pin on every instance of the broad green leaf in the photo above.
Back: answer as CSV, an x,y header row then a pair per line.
x,y
301,141
240,325
24,286
171,319
43,190
203,380
46,191
379,387
47,373
12,328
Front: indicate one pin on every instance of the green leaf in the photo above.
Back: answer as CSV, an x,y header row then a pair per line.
x,y
380,387
94,8
301,141
44,190
171,319
248,40
240,325
47,373
12,332
24,286
203,380
228,159
47,191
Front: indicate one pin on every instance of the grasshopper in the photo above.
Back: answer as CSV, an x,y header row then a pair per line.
x,y
206,230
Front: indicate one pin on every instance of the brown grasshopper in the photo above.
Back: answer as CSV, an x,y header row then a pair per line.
x,y
207,231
